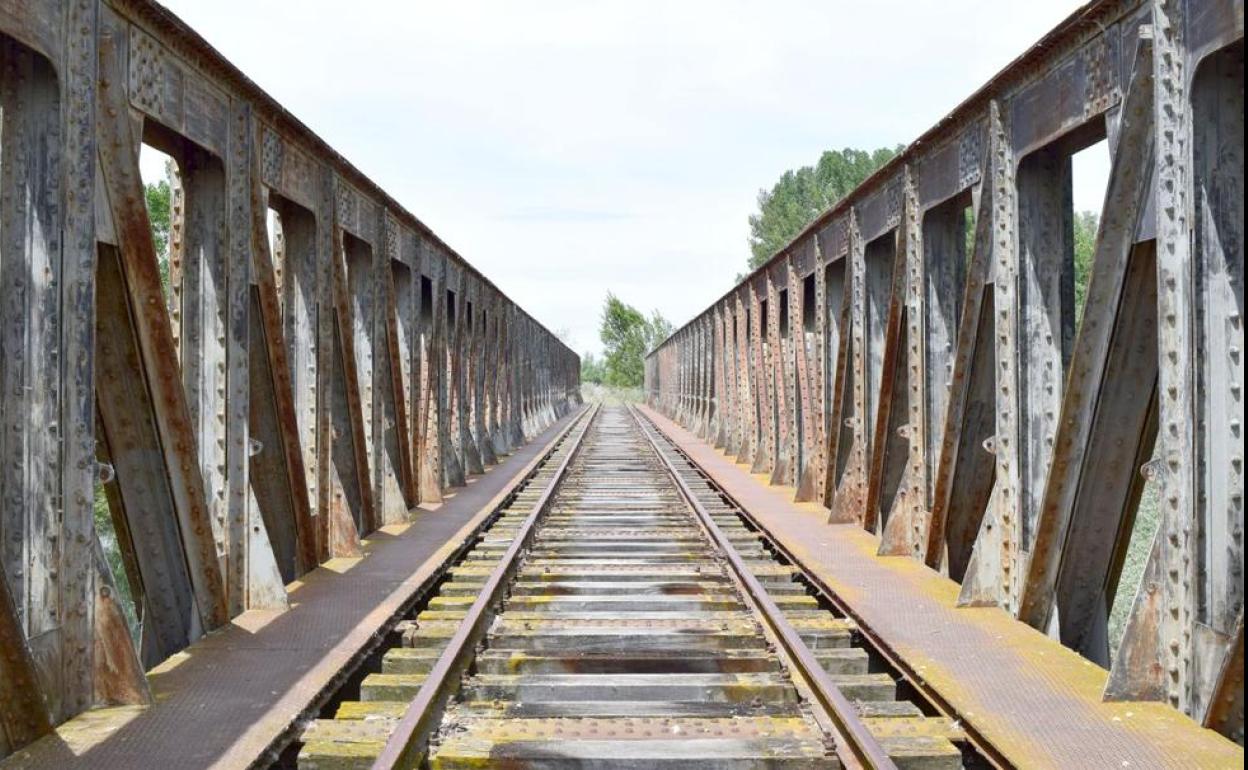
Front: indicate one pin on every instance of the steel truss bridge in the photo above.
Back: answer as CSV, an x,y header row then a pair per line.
x,y
306,489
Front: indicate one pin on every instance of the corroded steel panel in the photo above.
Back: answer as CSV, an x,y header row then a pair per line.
x,y
998,432
246,412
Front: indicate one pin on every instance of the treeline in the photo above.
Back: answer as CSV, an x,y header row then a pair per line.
x,y
799,196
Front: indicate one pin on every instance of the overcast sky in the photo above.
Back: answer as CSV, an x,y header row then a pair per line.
x,y
571,148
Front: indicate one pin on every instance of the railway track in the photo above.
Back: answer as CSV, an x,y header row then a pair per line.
x,y
620,612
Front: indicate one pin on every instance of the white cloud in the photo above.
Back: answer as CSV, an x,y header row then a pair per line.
x,y
570,148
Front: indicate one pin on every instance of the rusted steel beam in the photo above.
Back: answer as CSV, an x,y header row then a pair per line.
x,y
24,714
118,678
732,394
455,465
964,472
786,385
850,496
78,78
434,445
350,408
776,405
480,404
30,376
339,479
836,442
886,444
814,361
500,389
279,372
1226,703
744,439
721,404
1107,396
495,378
808,402
703,400
992,573
398,363
1193,584
118,149
140,496
856,746
465,377
250,572
900,489
833,354
758,459
388,474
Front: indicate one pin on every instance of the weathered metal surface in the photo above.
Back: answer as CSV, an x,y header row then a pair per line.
x,y
970,420
260,412
1120,314
157,357
25,714
30,330
289,477
269,409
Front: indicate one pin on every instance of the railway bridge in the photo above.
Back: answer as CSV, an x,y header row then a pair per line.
x,y
313,492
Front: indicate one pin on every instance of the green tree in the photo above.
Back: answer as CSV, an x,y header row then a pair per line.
x,y
592,370
1086,223
624,338
627,336
802,195
159,196
659,330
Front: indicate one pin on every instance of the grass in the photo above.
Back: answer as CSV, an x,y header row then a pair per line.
x,y
1147,519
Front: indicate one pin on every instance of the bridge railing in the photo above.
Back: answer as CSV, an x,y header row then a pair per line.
x,y
915,361
312,363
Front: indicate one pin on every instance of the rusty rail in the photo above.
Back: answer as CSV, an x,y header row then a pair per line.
x,y
608,626
407,741
856,746
875,640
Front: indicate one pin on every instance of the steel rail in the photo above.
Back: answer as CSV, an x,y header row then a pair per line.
x,y
403,748
881,646
855,743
